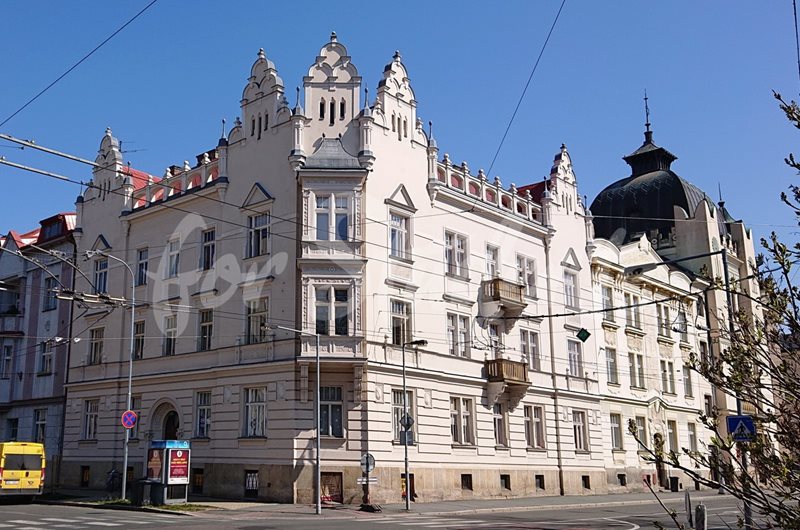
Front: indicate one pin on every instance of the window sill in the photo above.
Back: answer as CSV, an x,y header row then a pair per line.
x,y
691,398
463,446
582,452
638,388
502,448
537,450
634,330
88,442
610,324
44,374
401,259
48,309
399,444
664,339
669,394
615,385
245,258
457,277
618,451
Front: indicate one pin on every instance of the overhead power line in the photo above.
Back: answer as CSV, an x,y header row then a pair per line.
x,y
74,66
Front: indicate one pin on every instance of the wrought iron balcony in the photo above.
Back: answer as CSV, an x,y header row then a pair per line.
x,y
499,296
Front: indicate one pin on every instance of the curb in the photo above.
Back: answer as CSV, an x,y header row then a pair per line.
x,y
129,508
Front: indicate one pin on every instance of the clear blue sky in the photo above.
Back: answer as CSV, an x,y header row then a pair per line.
x,y
165,82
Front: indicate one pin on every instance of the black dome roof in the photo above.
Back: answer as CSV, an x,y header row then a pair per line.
x,y
644,201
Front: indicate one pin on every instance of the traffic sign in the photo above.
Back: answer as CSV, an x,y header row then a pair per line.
x,y
366,480
741,428
406,421
129,419
367,463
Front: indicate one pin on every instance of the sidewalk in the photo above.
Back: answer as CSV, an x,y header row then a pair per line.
x,y
458,507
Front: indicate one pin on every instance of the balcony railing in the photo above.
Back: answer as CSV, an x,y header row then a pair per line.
x,y
11,323
500,290
506,371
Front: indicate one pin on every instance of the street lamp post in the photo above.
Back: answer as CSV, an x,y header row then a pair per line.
x,y
420,342
89,254
639,269
317,468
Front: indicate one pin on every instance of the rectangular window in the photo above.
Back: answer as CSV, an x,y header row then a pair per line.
x,y
141,266
529,342
331,419
39,425
534,427
323,218
173,258
616,431
682,326
332,301
170,334
91,410
672,435
96,345
636,363
401,322
608,303
397,411
208,250
641,430
203,417
632,312
399,244
492,265
341,312
575,358
255,411
668,377
708,406
704,358
611,366
49,300
526,275
692,430
458,335
580,430
455,254
500,416
461,421
322,297
12,429
8,358
257,320
258,235
332,207
341,216
46,357
138,339
664,324
688,391
101,276
206,331
571,290
495,340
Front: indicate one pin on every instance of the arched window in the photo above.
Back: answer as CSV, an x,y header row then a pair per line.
x,y
332,112
322,108
342,108
252,125
259,126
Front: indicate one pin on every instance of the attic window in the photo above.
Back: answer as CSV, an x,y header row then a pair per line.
x,y
342,108
322,109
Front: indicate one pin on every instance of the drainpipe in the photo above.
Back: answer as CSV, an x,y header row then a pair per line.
x,y
553,376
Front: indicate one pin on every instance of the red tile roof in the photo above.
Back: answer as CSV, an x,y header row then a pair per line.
x,y
537,190
140,178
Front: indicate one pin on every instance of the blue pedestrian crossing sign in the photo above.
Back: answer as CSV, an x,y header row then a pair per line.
x,y
741,428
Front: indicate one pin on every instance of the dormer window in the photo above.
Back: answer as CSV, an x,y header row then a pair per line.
x,y
342,109
322,109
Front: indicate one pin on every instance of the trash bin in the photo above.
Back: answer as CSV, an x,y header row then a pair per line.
x,y
140,494
673,484
157,493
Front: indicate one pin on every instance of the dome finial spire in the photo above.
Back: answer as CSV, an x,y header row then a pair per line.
x,y
648,134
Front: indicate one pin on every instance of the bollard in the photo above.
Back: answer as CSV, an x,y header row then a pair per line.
x,y
687,502
700,517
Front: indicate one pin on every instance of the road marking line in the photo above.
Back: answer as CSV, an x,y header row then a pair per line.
x,y
102,523
56,520
23,521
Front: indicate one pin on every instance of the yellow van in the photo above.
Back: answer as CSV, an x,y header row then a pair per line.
x,y
22,468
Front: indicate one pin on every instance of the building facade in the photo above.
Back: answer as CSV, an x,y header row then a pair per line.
x,y
341,220
35,331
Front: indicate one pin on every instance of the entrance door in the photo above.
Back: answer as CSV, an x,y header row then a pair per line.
x,y
171,424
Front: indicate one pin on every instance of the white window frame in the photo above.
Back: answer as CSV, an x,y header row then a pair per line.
x,y
500,423
397,412
96,340
331,403
580,430
526,274
607,293
208,249
668,377
203,414
170,335
101,276
662,317
205,331
8,360
335,207
142,265
633,314
401,323
672,435
575,357
641,430
492,261
615,421
456,254
688,389
458,335
612,366
255,412
529,344
332,307
399,235
39,425
138,339
462,420
256,317
49,300
534,427
173,249
691,429
571,290
259,235
91,414
46,357
636,365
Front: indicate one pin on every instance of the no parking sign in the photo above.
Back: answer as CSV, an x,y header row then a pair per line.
x,y
129,419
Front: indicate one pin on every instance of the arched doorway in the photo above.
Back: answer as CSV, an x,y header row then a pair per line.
x,y
171,426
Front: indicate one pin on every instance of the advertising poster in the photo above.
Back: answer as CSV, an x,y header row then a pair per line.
x,y
178,466
154,464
